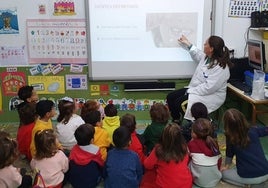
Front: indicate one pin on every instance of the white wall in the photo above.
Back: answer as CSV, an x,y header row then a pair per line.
x,y
233,30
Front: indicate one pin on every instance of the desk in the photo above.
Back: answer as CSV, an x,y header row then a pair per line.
x,y
254,103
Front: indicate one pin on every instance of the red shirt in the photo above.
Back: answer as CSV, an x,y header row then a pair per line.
x,y
136,146
172,174
24,138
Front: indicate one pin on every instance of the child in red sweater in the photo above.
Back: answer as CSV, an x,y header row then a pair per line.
x,y
167,164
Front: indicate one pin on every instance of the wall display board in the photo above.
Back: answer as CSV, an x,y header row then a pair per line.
x,y
138,39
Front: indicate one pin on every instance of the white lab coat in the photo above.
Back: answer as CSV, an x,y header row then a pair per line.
x,y
207,85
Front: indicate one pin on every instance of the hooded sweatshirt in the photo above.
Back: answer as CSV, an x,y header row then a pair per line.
x,y
110,124
102,139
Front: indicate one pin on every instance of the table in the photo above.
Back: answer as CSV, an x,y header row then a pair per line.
x,y
254,103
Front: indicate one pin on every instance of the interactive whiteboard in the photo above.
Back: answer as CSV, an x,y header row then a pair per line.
x,y
137,39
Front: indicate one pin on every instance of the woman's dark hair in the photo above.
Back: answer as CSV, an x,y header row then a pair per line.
x,y
8,150
43,107
172,145
129,121
110,110
220,52
92,117
66,110
199,110
45,143
25,92
203,129
84,134
236,128
121,137
27,113
159,113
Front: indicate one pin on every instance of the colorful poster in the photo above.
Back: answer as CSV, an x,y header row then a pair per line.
x,y
47,84
9,21
11,82
57,41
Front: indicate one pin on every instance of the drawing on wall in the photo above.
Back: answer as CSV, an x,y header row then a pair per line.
x,y
47,84
57,41
11,82
9,21
166,27
243,8
63,7
11,55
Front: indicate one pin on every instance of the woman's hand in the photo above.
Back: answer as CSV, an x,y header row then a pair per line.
x,y
183,40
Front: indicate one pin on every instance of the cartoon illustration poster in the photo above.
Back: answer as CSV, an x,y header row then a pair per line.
x,y
11,82
47,84
9,21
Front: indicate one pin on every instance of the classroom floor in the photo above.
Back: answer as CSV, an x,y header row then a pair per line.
x,y
141,125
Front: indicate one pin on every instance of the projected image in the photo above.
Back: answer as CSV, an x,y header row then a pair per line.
x,y
167,27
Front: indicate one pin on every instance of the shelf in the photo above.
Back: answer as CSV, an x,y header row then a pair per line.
x,y
259,28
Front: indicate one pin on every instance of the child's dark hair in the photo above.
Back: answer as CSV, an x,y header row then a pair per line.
x,y
45,143
43,107
204,130
8,150
66,110
172,145
121,137
159,113
199,110
25,92
110,110
92,117
27,113
84,134
129,121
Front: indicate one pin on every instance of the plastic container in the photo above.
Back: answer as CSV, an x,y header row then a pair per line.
x,y
249,77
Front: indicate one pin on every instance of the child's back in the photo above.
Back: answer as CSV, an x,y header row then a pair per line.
x,y
122,167
85,159
205,155
68,122
27,115
49,160
111,120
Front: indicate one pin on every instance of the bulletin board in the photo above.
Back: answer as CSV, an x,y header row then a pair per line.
x,y
35,31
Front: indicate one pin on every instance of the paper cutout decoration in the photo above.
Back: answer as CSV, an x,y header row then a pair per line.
x,y
11,82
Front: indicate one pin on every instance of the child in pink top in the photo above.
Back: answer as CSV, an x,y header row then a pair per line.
x,y
49,160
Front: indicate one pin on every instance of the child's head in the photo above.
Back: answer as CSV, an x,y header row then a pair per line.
x,y
84,134
66,108
201,128
89,106
92,117
28,94
45,143
27,113
172,145
159,113
129,121
236,127
45,108
8,150
110,110
199,110
121,137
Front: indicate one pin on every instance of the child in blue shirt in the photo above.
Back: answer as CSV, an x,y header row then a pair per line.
x,y
122,168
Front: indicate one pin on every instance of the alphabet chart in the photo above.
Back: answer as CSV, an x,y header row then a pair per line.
x,y
57,41
243,8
